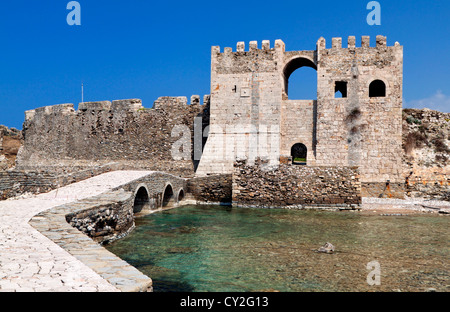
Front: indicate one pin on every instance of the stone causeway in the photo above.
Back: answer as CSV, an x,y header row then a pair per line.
x,y
40,251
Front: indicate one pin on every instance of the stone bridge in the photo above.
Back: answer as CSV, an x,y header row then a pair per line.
x,y
43,247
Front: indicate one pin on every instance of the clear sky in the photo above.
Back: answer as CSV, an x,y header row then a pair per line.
x,y
146,49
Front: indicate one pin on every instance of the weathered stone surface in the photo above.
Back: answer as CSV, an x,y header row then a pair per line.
x,y
426,158
327,248
62,139
61,261
10,142
249,101
250,114
216,189
291,186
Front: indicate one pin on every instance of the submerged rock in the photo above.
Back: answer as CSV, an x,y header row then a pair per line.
x,y
327,248
182,250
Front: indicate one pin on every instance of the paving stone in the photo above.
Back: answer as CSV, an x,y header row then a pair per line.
x,y
29,261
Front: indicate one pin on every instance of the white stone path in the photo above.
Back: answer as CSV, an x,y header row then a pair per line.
x,y
31,262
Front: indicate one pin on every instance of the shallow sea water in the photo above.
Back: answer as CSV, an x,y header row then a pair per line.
x,y
217,248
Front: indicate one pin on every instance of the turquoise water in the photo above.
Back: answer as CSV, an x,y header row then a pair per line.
x,y
197,248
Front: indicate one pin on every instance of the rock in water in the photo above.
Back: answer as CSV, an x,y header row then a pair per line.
x,y
327,248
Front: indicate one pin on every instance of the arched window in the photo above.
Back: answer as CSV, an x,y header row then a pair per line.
x,y
300,79
377,88
299,154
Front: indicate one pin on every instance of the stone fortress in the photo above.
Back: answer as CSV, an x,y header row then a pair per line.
x,y
249,89
94,169
324,152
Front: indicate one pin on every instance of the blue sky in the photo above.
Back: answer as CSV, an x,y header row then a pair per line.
x,y
146,49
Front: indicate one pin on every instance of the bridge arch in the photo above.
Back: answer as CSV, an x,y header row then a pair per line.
x,y
168,196
180,196
141,199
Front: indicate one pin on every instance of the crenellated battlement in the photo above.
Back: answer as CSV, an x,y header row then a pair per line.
x,y
354,119
177,101
337,43
253,46
114,106
60,109
97,106
117,106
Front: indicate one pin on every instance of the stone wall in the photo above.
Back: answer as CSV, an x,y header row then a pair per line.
x,y
383,190
360,130
10,142
61,138
250,105
19,182
104,218
215,189
426,157
291,186
245,100
15,183
298,126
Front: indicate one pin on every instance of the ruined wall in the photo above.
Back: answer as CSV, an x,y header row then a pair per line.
x,y
62,139
10,142
426,160
215,189
290,186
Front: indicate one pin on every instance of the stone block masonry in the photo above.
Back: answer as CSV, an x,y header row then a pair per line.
x,y
291,186
363,128
426,158
60,138
110,216
104,218
250,114
19,182
10,142
215,189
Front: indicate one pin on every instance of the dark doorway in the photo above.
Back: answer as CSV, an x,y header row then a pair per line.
x,y
299,154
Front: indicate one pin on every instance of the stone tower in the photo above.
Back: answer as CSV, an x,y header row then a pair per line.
x,y
252,116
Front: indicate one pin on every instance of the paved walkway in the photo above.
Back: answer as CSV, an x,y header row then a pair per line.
x,y
31,262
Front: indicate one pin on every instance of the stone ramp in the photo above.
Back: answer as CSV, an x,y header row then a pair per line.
x,y
31,262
